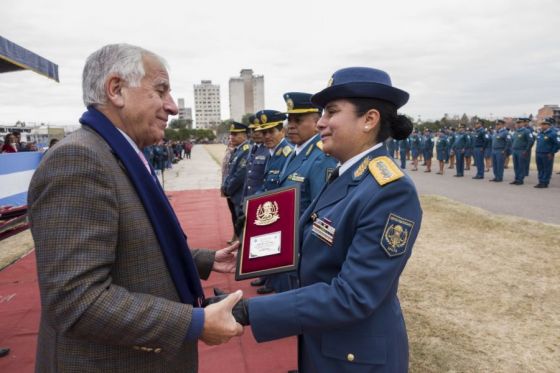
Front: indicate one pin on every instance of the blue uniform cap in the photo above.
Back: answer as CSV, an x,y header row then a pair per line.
x,y
237,127
549,121
266,119
299,103
360,82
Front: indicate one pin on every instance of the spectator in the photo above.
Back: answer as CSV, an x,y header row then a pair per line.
x,y
10,144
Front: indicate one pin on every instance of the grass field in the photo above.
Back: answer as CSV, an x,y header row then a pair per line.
x,y
481,292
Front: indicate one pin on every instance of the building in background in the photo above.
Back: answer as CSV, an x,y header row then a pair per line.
x,y
185,113
246,94
549,111
207,104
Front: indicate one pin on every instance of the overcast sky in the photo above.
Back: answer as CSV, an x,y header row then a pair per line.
x,y
491,58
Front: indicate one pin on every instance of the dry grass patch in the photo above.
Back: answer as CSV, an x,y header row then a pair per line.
x,y
481,292
216,151
14,247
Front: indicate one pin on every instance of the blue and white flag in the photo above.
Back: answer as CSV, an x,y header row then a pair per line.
x,y
16,170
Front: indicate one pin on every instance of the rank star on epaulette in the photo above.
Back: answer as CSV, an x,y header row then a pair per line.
x,y
246,147
384,170
362,168
286,151
396,234
320,145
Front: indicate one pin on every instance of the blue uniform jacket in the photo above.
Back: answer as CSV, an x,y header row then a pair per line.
x,y
460,143
428,144
310,170
547,141
256,164
500,139
480,138
522,140
347,312
237,168
275,164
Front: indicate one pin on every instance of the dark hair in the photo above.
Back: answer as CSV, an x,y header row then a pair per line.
x,y
392,124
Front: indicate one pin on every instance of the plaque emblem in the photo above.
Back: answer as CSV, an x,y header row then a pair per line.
x,y
396,234
267,213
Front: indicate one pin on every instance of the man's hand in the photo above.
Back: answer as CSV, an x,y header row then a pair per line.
x,y
225,260
240,311
219,324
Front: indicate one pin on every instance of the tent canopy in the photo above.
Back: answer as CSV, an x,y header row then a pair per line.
x,y
13,58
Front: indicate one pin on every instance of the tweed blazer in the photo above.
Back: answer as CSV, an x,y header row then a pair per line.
x,y
108,301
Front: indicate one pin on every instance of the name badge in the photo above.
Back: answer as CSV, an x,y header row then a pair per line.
x,y
296,177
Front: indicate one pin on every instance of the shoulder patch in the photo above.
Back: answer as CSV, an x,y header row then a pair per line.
x,y
384,170
395,235
286,151
309,151
246,147
361,168
320,145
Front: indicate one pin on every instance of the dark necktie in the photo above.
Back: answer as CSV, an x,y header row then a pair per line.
x,y
333,176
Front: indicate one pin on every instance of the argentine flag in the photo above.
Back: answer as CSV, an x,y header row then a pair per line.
x,y
16,170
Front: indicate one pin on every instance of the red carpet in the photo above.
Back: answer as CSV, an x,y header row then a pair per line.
x,y
206,220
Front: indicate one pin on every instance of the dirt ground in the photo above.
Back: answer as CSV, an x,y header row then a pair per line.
x,y
481,292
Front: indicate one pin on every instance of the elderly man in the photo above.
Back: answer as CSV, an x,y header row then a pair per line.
x,y
120,289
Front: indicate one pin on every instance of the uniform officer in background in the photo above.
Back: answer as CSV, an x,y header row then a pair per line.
x,y
442,146
532,139
547,146
500,141
415,145
459,146
256,162
271,124
428,149
232,188
307,166
478,144
521,146
404,149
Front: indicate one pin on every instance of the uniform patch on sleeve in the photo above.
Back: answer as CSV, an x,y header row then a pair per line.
x,y
384,170
396,234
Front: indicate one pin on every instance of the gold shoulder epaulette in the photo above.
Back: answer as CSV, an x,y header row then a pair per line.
x,y
384,170
287,150
246,147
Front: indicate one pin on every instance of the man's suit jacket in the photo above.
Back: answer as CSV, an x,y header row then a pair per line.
x,y
108,301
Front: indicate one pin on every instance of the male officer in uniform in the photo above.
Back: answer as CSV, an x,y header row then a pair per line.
x,y
547,146
500,141
256,162
232,188
532,139
459,146
428,149
404,148
271,124
479,144
307,166
522,142
415,144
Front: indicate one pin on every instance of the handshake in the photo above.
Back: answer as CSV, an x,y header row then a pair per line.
x,y
224,317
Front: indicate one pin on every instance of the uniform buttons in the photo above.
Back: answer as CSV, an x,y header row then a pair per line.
x,y
350,357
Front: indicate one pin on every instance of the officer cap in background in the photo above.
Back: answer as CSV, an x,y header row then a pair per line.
x,y
299,103
360,82
237,127
268,119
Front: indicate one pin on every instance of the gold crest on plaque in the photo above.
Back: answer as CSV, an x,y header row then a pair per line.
x,y
290,104
267,213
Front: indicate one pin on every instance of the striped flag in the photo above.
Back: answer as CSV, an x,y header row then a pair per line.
x,y
16,170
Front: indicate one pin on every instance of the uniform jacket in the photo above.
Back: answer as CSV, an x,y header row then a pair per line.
x,y
522,139
275,165
500,139
404,145
310,170
237,170
480,138
461,142
548,141
347,312
256,163
108,301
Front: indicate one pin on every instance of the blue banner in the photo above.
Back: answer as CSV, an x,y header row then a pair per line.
x,y
16,170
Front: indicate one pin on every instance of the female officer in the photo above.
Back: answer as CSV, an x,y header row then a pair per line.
x,y
356,238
